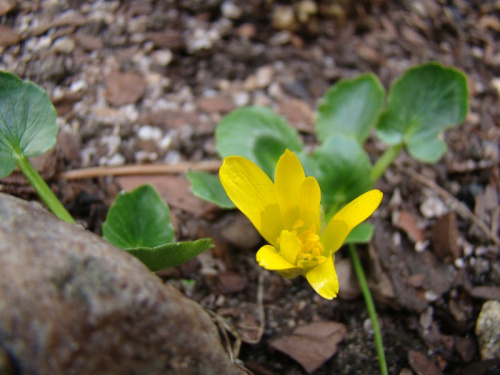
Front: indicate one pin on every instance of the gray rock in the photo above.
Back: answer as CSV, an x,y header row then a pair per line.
x,y
70,303
488,330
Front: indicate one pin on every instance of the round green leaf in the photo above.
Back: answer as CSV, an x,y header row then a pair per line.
x,y
351,107
422,103
258,134
171,254
27,121
139,218
342,169
361,233
208,187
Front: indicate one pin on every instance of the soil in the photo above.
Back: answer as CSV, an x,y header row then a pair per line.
x,y
146,82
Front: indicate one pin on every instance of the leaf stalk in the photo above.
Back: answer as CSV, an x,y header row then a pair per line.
x,y
384,162
43,190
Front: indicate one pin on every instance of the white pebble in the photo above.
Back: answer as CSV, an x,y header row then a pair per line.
x,y
116,160
163,57
148,132
433,207
230,10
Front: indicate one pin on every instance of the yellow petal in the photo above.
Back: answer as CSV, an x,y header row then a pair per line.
x,y
289,246
287,180
323,278
333,236
309,203
359,209
253,193
270,259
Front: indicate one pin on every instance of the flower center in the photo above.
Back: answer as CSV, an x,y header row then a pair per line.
x,y
311,247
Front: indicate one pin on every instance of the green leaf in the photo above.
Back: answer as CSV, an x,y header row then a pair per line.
x,y
171,254
27,121
139,218
423,102
362,233
351,107
342,169
258,134
208,187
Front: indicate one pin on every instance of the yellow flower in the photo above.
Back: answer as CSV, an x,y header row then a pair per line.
x,y
287,214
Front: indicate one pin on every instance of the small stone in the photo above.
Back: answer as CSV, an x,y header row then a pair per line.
x,y
495,85
239,232
6,6
263,76
64,45
8,36
89,42
433,207
488,330
247,31
230,10
163,57
349,285
230,282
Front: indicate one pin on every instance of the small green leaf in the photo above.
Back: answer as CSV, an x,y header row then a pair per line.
x,y
208,187
351,107
27,121
342,169
171,254
362,233
139,218
258,134
423,102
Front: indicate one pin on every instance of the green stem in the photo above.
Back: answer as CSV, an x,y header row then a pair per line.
x,y
43,190
385,160
370,306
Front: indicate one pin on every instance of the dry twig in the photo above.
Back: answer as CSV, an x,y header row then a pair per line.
x,y
141,169
453,202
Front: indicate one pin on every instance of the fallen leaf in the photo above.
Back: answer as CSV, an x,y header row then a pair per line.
x,y
421,364
215,104
408,223
313,344
124,88
445,236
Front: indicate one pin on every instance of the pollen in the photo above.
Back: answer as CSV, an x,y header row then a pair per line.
x,y
311,246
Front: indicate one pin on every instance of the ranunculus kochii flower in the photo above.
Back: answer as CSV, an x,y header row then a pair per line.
x,y
287,214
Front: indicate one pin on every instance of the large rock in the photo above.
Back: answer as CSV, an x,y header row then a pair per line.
x,y
70,303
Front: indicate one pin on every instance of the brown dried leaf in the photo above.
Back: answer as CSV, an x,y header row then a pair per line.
x,y
124,88
445,236
313,344
215,104
408,223
421,364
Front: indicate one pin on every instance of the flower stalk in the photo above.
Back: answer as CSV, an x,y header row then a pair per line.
x,y
370,306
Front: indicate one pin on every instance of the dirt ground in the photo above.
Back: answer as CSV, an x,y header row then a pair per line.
x,y
146,82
